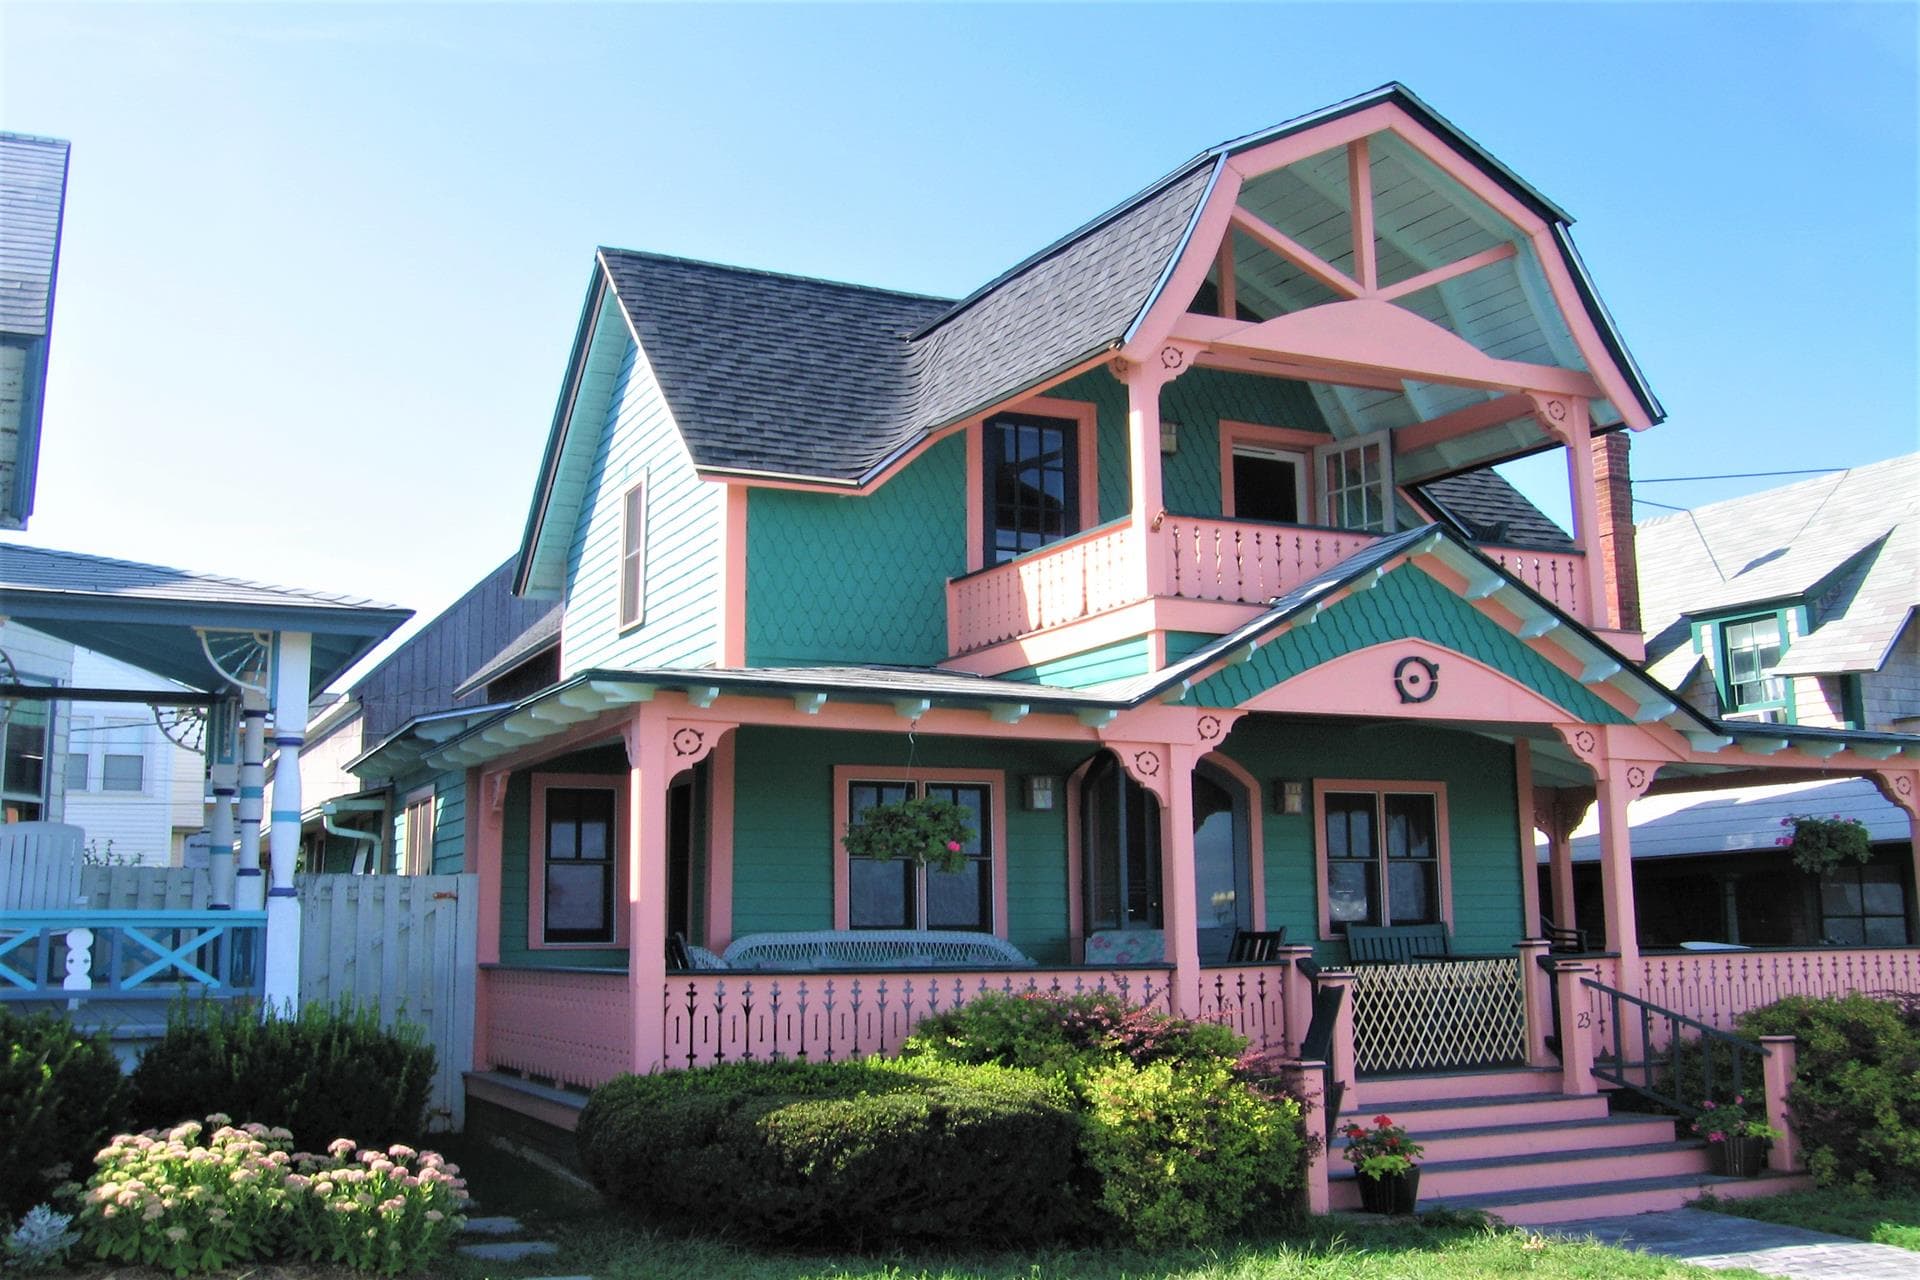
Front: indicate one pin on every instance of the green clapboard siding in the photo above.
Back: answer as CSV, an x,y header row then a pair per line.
x,y
516,816
784,844
1181,644
835,579
680,623
449,823
1483,833
1407,604
1114,661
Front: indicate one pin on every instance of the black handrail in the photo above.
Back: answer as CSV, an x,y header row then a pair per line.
x,y
1317,1044
1620,1070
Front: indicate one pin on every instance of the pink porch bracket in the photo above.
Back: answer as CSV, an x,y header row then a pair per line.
x,y
1538,997
1576,1028
1780,1065
1310,1088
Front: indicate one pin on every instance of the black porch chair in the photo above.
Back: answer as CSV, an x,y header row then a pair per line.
x,y
1256,946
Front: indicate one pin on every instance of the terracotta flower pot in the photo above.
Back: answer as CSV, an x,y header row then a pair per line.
x,y
1738,1157
1395,1193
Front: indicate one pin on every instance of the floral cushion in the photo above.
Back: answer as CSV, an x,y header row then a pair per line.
x,y
1127,946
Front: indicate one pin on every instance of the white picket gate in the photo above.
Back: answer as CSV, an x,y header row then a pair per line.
x,y
405,943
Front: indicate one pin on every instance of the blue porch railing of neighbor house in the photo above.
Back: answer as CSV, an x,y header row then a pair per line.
x,y
109,957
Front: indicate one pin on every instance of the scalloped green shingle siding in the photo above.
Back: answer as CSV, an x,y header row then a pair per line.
x,y
1114,661
681,619
1198,400
1482,832
1406,605
834,579
783,844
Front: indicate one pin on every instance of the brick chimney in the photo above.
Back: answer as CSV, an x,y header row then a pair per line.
x,y
1613,482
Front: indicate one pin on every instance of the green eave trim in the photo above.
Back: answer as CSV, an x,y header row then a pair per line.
x,y
1405,605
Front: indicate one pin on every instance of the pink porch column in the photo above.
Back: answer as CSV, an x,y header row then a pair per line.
x,y
1566,417
1576,1028
1782,1059
1616,784
647,778
1539,999
1177,908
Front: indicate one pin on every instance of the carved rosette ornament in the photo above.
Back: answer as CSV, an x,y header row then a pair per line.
x,y
1172,357
687,742
1146,763
1208,727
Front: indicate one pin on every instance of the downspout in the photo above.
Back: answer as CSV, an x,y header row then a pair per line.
x,y
332,807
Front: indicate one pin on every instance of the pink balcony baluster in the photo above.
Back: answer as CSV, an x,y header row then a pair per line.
x,y
1249,563
1558,576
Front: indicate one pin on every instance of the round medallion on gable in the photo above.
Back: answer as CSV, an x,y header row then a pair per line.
x,y
1415,679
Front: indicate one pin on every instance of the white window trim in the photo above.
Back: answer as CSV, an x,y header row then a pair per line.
x,y
416,864
632,611
1384,439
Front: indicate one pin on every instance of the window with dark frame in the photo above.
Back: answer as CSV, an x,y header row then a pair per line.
x,y
898,893
1863,906
1120,850
1032,476
633,556
579,867
1383,857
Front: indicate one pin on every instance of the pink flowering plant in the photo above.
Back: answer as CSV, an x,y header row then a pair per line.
x,y
1721,1119
927,829
1820,844
1381,1151
168,1199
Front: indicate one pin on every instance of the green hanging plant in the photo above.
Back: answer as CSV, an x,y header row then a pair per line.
x,y
928,830
1820,844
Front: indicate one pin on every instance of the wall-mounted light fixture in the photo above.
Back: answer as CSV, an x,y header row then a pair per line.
x,y
1289,796
1039,791
1169,436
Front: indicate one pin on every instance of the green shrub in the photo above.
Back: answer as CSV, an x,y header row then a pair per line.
x,y
1855,1101
164,1199
61,1094
1184,1152
862,1151
1067,1036
324,1073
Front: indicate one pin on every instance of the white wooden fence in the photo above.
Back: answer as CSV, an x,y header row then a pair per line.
x,y
146,888
405,943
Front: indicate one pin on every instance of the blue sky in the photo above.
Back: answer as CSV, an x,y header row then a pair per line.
x,y
322,264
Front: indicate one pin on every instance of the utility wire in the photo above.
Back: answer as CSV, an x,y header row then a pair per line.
x,y
1739,475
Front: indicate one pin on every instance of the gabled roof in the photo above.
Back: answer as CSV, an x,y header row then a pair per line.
x,y
149,615
33,192
785,377
1846,544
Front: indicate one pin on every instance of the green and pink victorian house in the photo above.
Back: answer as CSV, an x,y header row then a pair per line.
x,y
1172,557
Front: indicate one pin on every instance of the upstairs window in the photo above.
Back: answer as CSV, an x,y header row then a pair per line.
x,y
1032,475
109,755
1749,649
23,761
1268,484
633,556
1356,483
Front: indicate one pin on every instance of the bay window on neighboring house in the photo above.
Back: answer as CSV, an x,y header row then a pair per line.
x,y
1382,854
577,871
901,893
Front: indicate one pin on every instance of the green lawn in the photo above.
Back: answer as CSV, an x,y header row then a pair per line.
x,y
597,1241
1886,1219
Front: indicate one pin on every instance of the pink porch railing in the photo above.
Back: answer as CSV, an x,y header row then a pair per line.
x,y
1251,1000
1715,987
1558,576
571,1026
1245,563
1070,580
726,1017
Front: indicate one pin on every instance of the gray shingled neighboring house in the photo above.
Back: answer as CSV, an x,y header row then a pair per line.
x,y
1794,605
33,193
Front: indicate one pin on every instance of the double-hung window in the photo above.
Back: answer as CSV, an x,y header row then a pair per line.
x,y
899,893
1382,853
1033,480
106,755
1749,650
416,832
578,873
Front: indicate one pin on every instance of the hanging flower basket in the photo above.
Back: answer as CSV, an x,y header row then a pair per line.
x,y
926,829
1821,844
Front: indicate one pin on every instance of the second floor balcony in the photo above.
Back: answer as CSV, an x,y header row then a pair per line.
x,y
1206,560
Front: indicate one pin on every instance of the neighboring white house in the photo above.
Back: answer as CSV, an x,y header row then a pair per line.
x,y
137,793
31,732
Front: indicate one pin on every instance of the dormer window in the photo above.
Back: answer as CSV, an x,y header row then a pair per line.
x,y
1032,475
1750,648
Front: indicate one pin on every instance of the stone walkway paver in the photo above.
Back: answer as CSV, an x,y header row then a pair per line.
x,y
495,1226
1721,1240
510,1251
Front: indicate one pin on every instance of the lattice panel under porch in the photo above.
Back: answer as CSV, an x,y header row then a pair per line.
x,y
1438,1015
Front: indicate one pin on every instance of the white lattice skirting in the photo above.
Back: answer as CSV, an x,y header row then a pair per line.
x,y
1432,1015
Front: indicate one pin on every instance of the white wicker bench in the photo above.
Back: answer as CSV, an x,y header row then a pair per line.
x,y
871,949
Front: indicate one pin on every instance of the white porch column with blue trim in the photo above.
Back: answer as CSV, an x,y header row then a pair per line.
x,y
223,777
292,667
250,891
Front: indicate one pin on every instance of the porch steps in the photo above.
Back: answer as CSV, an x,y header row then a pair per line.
x,y
1510,1144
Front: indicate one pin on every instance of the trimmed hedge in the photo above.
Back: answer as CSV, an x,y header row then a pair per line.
x,y
843,1152
323,1074
1068,1036
61,1096
1855,1101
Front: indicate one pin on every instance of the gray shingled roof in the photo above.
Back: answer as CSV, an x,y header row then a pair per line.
x,y
33,185
43,571
784,374
1489,509
1681,823
1854,536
